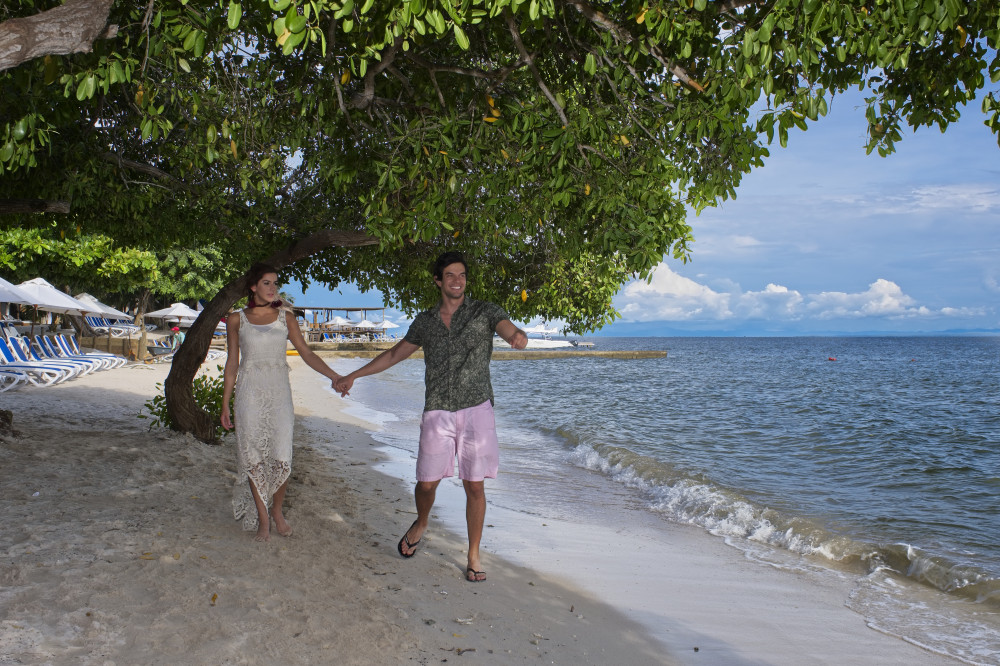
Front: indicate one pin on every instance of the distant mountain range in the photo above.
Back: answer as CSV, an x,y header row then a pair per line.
x,y
668,329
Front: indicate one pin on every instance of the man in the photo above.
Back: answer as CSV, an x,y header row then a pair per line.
x,y
457,337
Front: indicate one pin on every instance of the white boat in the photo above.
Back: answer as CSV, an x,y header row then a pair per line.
x,y
539,337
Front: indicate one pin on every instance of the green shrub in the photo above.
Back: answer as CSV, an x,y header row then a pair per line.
x,y
207,395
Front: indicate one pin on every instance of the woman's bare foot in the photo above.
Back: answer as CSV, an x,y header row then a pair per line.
x,y
263,531
281,525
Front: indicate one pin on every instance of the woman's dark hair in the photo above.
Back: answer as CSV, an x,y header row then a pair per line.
x,y
447,259
256,272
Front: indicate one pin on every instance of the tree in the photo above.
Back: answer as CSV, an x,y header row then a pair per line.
x,y
558,143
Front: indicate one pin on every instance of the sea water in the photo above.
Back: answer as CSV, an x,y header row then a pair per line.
x,y
876,457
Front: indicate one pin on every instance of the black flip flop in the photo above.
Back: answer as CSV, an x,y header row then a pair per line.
x,y
474,573
409,545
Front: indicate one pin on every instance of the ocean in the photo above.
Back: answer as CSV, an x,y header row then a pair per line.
x,y
872,457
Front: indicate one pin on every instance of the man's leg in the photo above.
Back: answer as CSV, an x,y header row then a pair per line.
x,y
424,495
475,516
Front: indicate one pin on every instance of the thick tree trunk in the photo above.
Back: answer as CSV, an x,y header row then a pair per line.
x,y
140,320
185,414
71,28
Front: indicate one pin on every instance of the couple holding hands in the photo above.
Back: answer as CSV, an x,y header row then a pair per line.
x,y
457,423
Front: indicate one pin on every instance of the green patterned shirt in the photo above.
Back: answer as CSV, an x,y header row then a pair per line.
x,y
457,360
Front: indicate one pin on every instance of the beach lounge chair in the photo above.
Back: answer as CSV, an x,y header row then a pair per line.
x,y
68,342
39,353
36,373
11,378
50,351
101,326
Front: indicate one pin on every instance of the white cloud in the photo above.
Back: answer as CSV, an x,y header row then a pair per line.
x,y
672,297
970,196
775,302
990,281
883,298
726,245
964,197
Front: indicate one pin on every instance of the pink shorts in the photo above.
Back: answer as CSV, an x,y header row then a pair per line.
x,y
470,434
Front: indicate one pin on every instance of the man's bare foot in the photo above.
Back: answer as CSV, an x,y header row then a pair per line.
x,y
281,525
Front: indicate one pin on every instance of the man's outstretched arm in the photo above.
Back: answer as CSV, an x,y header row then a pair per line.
x,y
390,357
512,335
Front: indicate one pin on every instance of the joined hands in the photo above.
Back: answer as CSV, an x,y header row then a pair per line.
x,y
342,385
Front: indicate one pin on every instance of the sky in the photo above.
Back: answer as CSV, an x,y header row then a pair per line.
x,y
826,240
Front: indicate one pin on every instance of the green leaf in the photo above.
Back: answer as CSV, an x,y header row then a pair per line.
x,y
235,13
183,64
345,10
21,128
461,38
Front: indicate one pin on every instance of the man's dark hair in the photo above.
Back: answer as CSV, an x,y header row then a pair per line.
x,y
447,259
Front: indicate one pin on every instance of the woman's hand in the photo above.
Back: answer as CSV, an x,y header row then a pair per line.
x,y
342,385
226,422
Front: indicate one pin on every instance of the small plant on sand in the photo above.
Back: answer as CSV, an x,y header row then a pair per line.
x,y
207,395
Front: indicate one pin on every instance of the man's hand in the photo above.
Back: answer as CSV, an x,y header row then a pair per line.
x,y
519,340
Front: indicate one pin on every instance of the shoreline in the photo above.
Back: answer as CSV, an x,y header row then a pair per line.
x,y
120,547
700,597
128,553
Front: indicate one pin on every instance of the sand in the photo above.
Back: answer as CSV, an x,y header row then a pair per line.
x,y
119,547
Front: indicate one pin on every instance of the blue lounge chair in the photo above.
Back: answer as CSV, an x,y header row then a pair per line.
x,y
37,373
68,343
27,352
11,379
50,351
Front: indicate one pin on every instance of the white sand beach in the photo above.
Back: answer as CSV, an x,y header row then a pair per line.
x,y
119,547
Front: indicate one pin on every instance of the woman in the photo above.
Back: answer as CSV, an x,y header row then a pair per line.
x,y
264,412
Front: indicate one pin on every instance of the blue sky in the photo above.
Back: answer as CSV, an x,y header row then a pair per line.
x,y
825,239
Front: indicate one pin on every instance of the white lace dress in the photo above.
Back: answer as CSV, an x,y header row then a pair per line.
x,y
264,416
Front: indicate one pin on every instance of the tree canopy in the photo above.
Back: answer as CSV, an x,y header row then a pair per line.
x,y
558,143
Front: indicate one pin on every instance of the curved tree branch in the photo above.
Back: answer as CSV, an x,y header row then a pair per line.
x,y
621,34
185,414
531,66
71,28
18,206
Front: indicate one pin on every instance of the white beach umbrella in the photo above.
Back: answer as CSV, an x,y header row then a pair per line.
x,y
101,307
11,293
175,311
364,323
46,297
340,321
386,324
